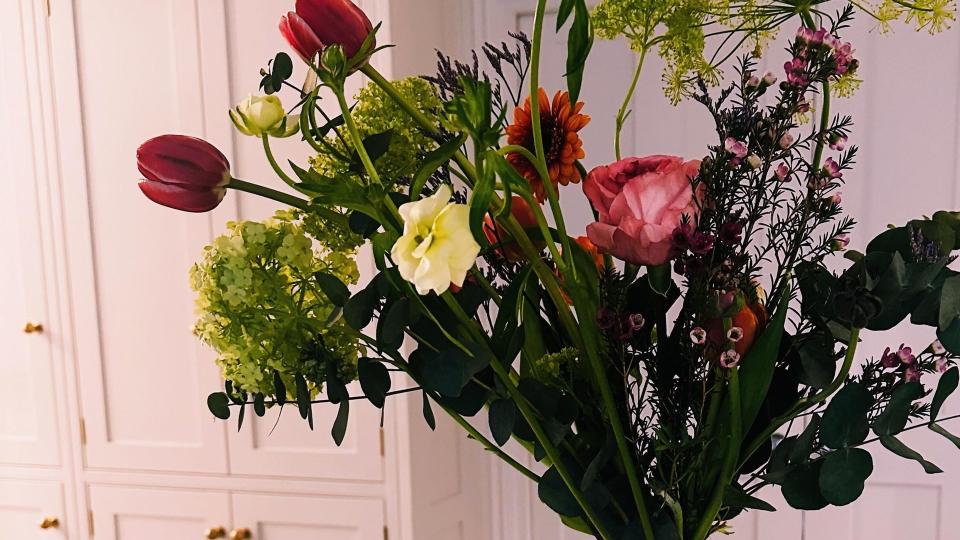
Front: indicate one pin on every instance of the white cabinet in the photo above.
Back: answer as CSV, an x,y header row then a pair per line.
x,y
110,433
32,510
28,424
128,513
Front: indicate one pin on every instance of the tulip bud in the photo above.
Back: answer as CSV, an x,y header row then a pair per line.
x,y
184,173
257,115
498,236
318,24
334,61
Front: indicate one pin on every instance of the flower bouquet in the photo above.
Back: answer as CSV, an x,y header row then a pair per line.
x,y
691,348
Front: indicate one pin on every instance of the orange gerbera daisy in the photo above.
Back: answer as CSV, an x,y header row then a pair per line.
x,y
561,124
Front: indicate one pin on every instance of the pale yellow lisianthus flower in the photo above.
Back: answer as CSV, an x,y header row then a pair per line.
x,y
437,247
257,115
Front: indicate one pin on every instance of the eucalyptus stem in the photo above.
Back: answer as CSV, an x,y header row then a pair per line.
x,y
269,193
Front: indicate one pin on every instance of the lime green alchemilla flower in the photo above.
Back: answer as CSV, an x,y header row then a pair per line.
x,y
257,115
437,247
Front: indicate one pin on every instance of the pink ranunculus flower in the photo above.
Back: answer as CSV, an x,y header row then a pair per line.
x,y
640,201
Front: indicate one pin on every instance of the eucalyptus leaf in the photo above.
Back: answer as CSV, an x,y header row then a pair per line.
x,y
845,420
303,396
219,405
374,380
801,487
843,475
895,415
503,417
946,387
428,416
336,291
279,389
358,310
896,446
339,429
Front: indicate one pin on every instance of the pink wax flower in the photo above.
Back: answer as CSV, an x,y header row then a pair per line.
x,y
937,348
640,202
905,354
735,147
911,374
889,359
796,72
838,142
782,172
698,336
729,359
840,242
831,169
941,365
787,140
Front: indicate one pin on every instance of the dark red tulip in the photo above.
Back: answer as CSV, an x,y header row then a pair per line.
x,y
185,173
319,23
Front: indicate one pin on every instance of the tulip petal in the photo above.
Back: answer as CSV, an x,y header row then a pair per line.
x,y
178,198
336,22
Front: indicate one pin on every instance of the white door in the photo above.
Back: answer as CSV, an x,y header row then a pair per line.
x,y
126,71
28,424
133,513
906,118
32,510
281,517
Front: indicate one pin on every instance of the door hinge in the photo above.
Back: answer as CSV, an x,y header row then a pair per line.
x,y
383,444
386,533
83,431
90,522
49,10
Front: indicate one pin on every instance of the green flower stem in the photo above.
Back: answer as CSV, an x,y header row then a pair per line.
x,y
273,163
355,136
269,193
825,102
728,469
541,157
622,113
811,401
485,285
530,415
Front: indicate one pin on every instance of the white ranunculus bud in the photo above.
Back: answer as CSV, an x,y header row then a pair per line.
x,y
257,115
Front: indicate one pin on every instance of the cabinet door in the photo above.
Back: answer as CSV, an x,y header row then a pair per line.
x,y
288,448
25,506
28,429
131,513
278,517
127,70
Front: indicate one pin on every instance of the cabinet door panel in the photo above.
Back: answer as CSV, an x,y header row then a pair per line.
x,y
276,517
27,430
289,448
137,72
129,513
24,505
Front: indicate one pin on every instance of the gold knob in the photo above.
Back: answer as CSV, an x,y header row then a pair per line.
x,y
215,532
33,328
50,522
242,533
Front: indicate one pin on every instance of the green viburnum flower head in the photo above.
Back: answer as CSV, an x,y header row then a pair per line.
x,y
259,306
375,112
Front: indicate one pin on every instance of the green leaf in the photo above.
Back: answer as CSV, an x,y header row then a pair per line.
x,y
553,492
564,12
281,70
947,385
336,389
374,380
279,389
818,363
428,413
757,368
433,161
339,429
660,278
950,337
219,405
336,291
241,416
801,487
949,302
503,417
259,405
845,420
376,146
579,44
735,497
358,310
444,373
803,447
303,396
362,224
936,428
480,200
392,324
895,415
896,446
843,475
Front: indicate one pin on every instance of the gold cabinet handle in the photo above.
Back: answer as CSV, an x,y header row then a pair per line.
x,y
33,328
242,533
215,532
50,522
